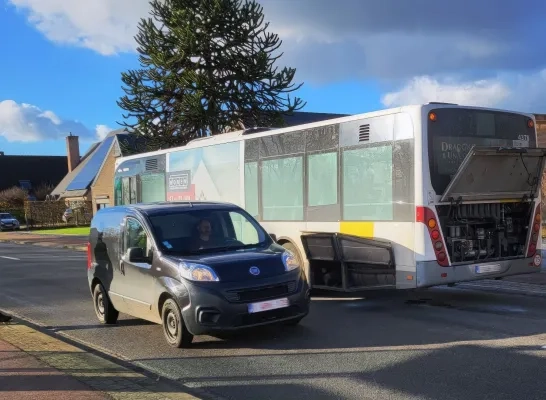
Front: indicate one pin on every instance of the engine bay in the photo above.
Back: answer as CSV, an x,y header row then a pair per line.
x,y
487,231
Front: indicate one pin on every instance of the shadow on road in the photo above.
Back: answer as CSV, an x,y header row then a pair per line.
x,y
121,323
475,372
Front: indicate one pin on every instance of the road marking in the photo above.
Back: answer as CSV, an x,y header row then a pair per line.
x,y
10,258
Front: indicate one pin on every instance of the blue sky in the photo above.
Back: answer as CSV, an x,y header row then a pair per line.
x,y
61,67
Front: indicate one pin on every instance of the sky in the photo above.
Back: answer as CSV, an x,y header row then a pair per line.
x,y
61,64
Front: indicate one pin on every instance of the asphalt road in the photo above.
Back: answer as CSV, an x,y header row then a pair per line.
x,y
458,344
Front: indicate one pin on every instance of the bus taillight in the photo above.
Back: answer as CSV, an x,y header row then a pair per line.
x,y
535,232
425,216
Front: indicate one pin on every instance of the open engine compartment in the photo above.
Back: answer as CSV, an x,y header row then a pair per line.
x,y
487,231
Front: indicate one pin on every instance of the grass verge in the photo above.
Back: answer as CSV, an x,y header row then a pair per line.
x,y
76,231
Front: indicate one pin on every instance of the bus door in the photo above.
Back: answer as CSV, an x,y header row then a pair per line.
x,y
349,263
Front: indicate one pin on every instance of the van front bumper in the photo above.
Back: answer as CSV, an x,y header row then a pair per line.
x,y
216,307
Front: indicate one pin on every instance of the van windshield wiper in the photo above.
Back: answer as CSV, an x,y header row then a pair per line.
x,y
247,246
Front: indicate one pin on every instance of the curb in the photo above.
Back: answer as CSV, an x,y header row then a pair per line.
x,y
117,378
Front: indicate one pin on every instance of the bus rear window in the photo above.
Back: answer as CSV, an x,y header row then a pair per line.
x,y
454,131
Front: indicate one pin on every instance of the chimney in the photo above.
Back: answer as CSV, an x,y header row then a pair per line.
x,y
72,151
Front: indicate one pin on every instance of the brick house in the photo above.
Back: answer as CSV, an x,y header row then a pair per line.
x,y
90,177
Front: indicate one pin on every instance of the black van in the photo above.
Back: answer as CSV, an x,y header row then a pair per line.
x,y
194,267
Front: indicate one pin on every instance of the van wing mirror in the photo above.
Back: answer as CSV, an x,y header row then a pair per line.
x,y
274,237
135,255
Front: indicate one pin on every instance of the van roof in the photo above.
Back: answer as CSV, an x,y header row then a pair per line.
x,y
159,207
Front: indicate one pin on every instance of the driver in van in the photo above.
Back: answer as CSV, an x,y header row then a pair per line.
x,y
204,238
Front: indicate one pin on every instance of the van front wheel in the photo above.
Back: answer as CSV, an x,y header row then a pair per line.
x,y
106,313
174,329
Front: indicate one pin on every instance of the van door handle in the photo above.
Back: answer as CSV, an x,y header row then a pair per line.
x,y
122,268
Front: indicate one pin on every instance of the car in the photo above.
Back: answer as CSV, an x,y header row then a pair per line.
x,y
196,268
8,222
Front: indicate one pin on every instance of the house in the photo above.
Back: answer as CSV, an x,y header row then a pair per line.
x,y
90,177
541,129
30,172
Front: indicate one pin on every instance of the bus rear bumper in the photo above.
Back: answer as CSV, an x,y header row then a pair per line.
x,y
429,273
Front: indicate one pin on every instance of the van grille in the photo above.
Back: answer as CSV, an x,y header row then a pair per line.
x,y
261,293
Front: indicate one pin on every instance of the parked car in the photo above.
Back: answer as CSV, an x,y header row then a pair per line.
x,y
8,222
195,268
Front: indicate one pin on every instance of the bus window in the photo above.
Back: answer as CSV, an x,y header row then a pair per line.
x,y
251,188
129,190
367,184
455,130
152,187
282,189
118,192
322,179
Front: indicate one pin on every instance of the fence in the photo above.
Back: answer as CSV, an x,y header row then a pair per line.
x,y
49,214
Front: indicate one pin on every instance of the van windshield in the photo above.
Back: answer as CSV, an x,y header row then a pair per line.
x,y
206,231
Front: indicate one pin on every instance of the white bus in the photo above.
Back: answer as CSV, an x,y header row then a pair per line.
x,y
404,198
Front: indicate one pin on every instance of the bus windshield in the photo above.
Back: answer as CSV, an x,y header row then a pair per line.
x,y
453,132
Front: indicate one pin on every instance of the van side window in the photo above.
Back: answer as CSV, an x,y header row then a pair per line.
x,y
135,236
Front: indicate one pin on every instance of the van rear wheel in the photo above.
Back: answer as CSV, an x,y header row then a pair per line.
x,y
174,328
106,313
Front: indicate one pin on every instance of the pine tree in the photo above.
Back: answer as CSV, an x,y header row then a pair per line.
x,y
206,67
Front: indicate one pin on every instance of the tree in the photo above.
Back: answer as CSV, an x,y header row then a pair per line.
x,y
207,67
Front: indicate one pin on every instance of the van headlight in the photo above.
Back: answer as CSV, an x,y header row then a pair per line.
x,y
197,272
290,261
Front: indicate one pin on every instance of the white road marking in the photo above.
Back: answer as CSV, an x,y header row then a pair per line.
x,y
10,258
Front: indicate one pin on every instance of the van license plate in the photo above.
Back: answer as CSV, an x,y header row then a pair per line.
x,y
487,269
267,305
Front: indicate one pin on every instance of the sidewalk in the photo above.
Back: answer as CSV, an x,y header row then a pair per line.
x,y
78,243
34,365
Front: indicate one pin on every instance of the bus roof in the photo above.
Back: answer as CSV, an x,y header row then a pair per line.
x,y
237,135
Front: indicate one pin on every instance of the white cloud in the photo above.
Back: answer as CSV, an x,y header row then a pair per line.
x,y
515,92
102,131
363,39
28,123
424,89
105,26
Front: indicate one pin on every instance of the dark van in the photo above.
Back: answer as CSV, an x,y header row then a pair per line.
x,y
196,268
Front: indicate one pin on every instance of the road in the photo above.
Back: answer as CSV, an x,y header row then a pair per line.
x,y
461,343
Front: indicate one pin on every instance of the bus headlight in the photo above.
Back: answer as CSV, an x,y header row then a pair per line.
x,y
290,261
197,272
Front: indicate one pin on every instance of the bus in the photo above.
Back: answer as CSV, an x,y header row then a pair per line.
x,y
409,197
